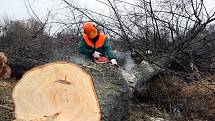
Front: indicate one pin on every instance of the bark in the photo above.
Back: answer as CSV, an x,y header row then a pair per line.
x,y
112,91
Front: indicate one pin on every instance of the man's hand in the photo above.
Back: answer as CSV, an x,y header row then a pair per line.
x,y
96,54
113,62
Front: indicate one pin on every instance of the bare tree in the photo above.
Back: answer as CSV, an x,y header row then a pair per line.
x,y
171,30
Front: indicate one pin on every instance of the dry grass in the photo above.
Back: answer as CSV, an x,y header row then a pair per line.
x,y
145,112
6,103
195,99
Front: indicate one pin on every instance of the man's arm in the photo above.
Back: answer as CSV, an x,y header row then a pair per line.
x,y
108,49
83,48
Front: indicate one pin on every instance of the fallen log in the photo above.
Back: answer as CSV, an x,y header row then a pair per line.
x,y
26,53
63,91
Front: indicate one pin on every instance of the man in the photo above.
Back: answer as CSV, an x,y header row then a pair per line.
x,y
95,45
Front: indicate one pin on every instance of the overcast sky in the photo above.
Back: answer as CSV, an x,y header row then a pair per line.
x,y
15,9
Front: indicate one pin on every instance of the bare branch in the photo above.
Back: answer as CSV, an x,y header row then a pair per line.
x,y
6,107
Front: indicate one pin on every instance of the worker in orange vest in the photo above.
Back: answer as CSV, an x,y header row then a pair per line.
x,y
95,44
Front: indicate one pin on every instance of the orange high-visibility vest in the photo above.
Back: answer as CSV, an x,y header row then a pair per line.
x,y
99,43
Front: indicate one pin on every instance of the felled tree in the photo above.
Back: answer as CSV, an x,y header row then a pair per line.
x,y
64,92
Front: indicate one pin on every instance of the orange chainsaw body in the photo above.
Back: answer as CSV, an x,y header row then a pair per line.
x,y
101,59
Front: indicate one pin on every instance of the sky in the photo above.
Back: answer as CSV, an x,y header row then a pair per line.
x,y
16,9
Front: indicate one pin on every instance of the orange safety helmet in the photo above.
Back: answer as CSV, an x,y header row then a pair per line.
x,y
90,30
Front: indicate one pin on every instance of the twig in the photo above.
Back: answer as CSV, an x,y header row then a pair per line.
x,y
6,107
207,87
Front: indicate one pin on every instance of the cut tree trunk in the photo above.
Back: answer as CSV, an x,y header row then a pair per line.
x,y
146,72
65,92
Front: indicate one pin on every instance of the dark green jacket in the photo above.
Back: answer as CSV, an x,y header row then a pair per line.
x,y
105,50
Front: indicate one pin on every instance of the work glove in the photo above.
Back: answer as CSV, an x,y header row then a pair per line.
x,y
96,54
113,62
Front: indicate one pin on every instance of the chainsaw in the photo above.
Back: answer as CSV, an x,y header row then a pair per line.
x,y
101,59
